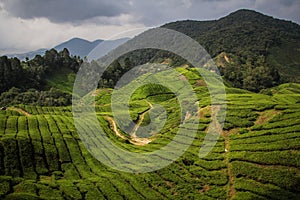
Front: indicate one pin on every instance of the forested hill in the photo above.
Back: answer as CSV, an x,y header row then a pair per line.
x,y
253,52
248,36
44,80
239,32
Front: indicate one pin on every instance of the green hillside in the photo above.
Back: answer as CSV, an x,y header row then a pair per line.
x,y
247,34
62,79
256,157
44,80
253,51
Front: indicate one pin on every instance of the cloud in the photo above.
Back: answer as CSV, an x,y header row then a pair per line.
x,y
22,35
31,24
172,10
65,10
146,12
284,9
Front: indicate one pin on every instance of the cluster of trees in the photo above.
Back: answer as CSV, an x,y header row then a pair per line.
x,y
112,74
246,35
11,73
245,70
52,97
32,73
250,74
243,30
24,81
249,34
249,37
135,58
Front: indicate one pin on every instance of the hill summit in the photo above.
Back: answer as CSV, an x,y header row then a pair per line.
x,y
247,34
78,46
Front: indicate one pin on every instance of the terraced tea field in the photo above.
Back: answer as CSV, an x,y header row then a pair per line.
x,y
256,157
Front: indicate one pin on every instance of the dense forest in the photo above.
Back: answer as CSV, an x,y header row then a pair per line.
x,y
251,50
25,81
252,40
261,52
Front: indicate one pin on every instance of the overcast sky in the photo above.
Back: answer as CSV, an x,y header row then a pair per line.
x,y
33,24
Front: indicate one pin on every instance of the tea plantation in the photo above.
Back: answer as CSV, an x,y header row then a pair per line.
x,y
256,157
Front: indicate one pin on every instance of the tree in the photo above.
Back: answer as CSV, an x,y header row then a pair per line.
x,y
52,59
11,73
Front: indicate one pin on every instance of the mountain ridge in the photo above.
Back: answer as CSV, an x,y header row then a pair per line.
x,y
247,35
79,47
76,46
261,51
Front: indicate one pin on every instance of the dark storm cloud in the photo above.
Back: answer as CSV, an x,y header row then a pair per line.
x,y
145,12
288,2
171,10
284,9
65,10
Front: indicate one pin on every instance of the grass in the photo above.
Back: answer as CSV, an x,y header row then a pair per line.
x,y
43,157
62,79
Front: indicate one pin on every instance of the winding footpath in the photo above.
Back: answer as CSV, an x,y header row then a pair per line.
x,y
19,110
134,139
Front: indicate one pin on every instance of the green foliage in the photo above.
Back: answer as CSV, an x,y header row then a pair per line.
x,y
11,73
33,76
265,190
42,156
4,187
62,79
52,97
282,177
48,192
22,196
246,36
247,196
254,76
286,158
70,191
233,122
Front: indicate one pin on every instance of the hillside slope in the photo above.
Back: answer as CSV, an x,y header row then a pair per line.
x,y
248,34
256,157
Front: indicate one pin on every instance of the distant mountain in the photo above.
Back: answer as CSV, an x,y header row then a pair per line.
x,y
30,55
253,51
105,47
247,34
76,46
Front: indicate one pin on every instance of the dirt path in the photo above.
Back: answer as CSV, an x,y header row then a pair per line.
x,y
141,141
19,110
226,58
141,119
133,138
114,127
231,177
226,136
203,111
137,125
266,116
150,104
